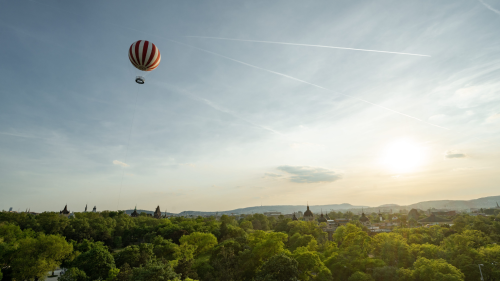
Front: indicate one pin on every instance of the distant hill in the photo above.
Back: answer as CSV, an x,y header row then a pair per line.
x,y
284,209
146,211
485,202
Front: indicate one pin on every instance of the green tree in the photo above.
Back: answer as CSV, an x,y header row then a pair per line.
x,y
354,247
429,270
203,242
224,260
310,265
135,255
404,274
154,270
360,276
490,258
426,250
163,248
385,273
392,249
306,240
246,225
125,273
113,274
279,268
52,223
184,260
262,246
73,274
96,263
35,256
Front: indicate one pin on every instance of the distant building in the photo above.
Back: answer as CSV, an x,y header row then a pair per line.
x,y
85,208
308,215
65,212
322,218
157,214
434,220
376,229
444,213
364,220
134,213
413,214
94,210
273,214
342,221
294,218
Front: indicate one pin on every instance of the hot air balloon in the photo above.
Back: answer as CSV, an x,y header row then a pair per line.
x,y
145,56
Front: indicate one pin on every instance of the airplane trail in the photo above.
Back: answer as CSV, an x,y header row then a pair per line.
x,y
309,45
489,7
224,110
309,83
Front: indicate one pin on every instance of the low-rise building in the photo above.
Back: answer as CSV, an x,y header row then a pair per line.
x,y
434,220
273,214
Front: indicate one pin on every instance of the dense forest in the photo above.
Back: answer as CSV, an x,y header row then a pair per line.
x,y
113,246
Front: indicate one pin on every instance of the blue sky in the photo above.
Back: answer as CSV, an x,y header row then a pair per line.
x,y
226,124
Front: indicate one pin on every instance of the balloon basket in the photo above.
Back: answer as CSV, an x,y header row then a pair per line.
x,y
140,80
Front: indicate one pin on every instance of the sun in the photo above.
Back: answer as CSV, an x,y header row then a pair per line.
x,y
402,156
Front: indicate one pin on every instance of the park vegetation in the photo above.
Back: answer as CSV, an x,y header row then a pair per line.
x,y
113,246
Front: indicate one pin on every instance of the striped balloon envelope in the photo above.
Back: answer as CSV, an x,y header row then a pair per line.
x,y
144,55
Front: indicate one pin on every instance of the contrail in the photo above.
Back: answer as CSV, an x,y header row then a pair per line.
x,y
308,45
224,110
489,7
308,83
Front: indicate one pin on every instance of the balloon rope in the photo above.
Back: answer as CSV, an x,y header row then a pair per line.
x,y
126,148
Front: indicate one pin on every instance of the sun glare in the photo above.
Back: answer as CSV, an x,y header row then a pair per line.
x,y
402,156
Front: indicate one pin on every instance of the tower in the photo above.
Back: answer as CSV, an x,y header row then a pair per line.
x,y
157,214
134,214
65,211
308,215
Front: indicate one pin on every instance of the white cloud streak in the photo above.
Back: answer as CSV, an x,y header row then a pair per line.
x,y
119,163
452,154
309,83
227,111
308,45
489,7
306,174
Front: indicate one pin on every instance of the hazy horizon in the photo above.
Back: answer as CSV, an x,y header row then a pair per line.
x,y
225,124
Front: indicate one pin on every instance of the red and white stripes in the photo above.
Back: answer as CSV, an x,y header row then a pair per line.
x,y
144,55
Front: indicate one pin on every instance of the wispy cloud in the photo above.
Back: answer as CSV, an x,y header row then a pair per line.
x,y
308,45
489,7
225,110
309,83
493,118
306,174
272,175
463,169
451,154
119,163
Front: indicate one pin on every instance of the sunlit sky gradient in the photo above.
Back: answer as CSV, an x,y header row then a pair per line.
x,y
209,133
